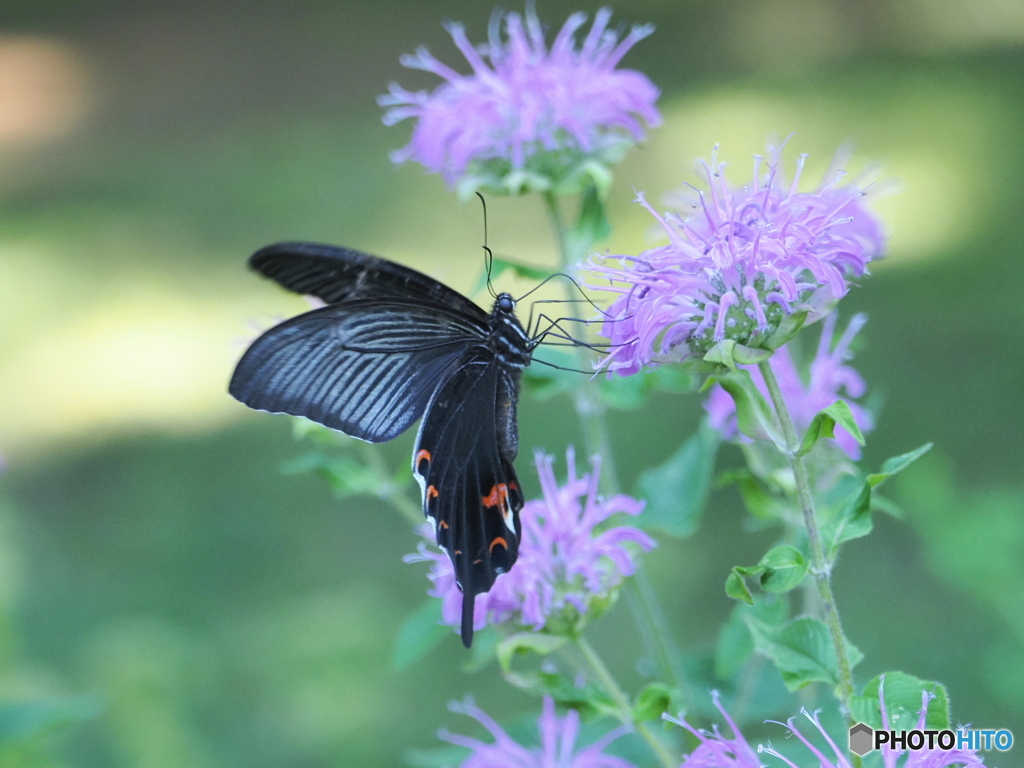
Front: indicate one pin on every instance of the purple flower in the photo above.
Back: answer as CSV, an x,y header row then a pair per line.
x,y
557,749
566,568
824,761
528,116
830,379
715,749
925,758
746,259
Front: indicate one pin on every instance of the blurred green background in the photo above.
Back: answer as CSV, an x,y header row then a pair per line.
x,y
169,598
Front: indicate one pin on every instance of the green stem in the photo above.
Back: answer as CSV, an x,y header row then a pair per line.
x,y
651,620
597,440
625,711
589,408
821,567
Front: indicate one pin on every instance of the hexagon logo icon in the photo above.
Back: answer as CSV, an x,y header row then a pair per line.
x,y
861,739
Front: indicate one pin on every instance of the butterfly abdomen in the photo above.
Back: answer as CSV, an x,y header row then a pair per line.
x,y
513,349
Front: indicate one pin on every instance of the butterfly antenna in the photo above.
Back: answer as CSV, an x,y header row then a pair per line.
x,y
489,257
572,280
562,367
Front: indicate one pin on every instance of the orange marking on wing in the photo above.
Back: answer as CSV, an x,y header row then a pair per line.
x,y
496,542
498,497
421,455
431,492
513,486
442,524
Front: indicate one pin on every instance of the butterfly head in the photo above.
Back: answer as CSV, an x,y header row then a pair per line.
x,y
505,304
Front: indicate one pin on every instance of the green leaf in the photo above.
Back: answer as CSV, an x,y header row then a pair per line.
x,y
801,649
527,642
676,491
784,569
732,354
880,503
589,700
421,632
787,330
754,416
843,416
821,426
345,475
850,517
780,570
824,422
653,700
736,586
744,355
721,354
758,497
734,644
599,176
897,464
759,501
902,702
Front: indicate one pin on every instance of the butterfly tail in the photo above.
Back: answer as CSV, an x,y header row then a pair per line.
x,y
468,604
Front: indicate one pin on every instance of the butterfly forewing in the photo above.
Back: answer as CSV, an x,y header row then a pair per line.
x,y
342,274
367,368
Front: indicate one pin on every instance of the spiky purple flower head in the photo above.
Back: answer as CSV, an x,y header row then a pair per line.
x,y
718,751
558,736
829,379
567,568
527,117
746,259
922,758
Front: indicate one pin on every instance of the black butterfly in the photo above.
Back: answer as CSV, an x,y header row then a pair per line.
x,y
393,345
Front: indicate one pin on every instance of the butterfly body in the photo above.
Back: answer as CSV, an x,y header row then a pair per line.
x,y
392,346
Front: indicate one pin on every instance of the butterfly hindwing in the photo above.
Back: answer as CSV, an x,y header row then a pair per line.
x,y
367,368
470,488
